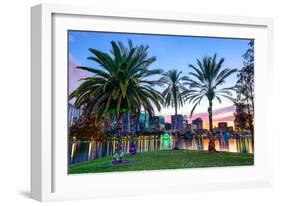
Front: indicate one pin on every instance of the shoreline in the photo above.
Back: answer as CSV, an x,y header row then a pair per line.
x,y
165,159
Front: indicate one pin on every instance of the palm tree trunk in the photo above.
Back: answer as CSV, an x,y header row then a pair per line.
x,y
118,155
176,108
211,147
175,101
176,118
134,117
210,112
144,120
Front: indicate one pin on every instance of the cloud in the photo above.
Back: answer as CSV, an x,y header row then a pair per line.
x,y
75,74
226,118
224,110
221,114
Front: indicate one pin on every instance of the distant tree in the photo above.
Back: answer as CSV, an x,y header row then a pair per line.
x,y
241,116
245,85
86,129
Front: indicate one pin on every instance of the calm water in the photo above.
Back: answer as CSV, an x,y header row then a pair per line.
x,y
81,151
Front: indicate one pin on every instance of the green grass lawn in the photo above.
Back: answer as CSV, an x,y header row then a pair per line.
x,y
165,160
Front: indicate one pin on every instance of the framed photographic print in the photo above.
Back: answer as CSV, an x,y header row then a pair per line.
x,y
134,102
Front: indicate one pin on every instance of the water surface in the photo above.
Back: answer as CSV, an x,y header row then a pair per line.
x,y
81,151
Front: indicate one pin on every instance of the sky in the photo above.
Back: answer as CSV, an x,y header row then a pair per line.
x,y
172,52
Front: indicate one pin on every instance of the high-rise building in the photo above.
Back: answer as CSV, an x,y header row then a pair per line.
x,y
73,114
179,122
198,122
126,124
143,122
162,122
193,127
185,122
222,126
157,123
168,126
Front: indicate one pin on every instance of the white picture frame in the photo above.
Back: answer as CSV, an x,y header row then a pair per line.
x,y
49,179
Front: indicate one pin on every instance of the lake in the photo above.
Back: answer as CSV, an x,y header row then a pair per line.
x,y
82,151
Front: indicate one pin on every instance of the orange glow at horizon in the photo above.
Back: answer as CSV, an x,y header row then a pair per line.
x,y
215,124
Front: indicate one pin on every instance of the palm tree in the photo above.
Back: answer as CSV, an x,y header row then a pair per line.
x,y
207,79
173,94
121,84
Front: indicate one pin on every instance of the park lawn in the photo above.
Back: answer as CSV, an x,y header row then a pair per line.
x,y
165,159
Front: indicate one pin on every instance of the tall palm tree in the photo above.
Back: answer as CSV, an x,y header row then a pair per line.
x,y
173,94
208,77
122,83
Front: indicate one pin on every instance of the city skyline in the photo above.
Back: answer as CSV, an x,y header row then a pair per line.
x,y
219,115
224,114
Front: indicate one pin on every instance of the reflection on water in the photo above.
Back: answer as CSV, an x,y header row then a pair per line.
x,y
81,151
